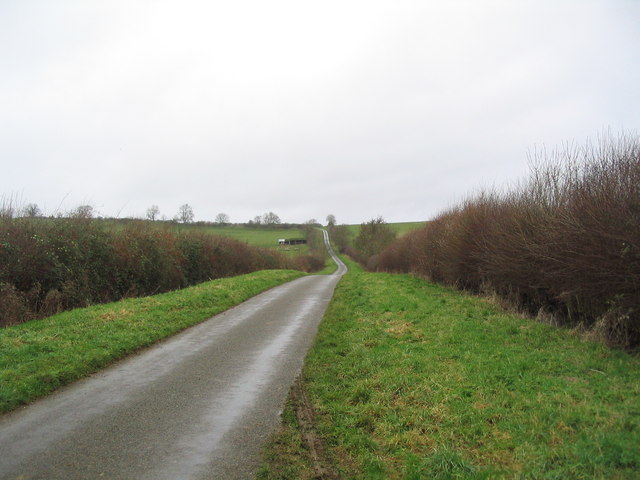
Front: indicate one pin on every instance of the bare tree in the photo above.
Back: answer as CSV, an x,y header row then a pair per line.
x,y
271,219
331,220
152,212
222,219
83,211
32,210
185,213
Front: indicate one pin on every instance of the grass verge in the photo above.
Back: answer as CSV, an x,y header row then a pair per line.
x,y
39,356
329,267
411,380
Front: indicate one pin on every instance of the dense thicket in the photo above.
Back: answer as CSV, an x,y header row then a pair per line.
x,y
49,265
340,236
373,237
317,256
565,244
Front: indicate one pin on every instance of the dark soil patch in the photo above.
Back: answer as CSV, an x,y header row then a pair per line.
x,y
305,415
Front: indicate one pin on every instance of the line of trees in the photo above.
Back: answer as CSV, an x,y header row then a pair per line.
x,y
9,208
184,215
268,218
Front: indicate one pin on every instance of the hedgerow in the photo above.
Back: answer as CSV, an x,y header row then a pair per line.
x,y
52,264
563,245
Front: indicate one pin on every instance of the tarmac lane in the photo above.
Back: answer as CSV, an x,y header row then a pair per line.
x,y
199,405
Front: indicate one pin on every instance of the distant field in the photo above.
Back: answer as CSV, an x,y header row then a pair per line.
x,y
257,236
268,237
260,237
400,228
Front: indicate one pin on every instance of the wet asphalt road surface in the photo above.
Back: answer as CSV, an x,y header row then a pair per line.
x,y
197,406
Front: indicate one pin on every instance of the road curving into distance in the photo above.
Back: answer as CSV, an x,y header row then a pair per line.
x,y
198,405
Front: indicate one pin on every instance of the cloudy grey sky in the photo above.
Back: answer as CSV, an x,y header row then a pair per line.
x,y
396,108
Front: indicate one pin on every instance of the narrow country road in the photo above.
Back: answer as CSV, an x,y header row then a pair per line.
x,y
197,406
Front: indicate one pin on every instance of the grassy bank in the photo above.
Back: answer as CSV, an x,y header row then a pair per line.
x,y
412,380
39,356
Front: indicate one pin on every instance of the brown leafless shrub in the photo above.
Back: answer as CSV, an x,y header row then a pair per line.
x,y
52,303
406,254
565,243
310,263
12,305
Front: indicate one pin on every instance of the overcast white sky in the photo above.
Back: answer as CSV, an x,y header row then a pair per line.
x,y
357,108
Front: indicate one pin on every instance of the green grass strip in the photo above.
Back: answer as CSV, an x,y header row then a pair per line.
x,y
410,380
39,356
